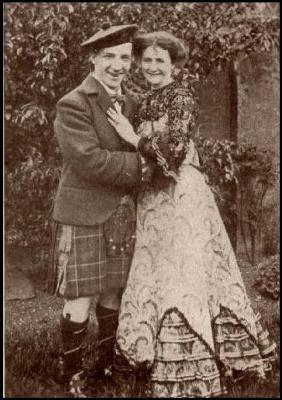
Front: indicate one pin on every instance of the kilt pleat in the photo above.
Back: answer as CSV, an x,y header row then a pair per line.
x,y
80,264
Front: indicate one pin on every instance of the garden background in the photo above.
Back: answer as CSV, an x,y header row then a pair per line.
x,y
233,59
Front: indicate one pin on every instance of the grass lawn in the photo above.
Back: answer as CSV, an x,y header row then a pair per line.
x,y
32,346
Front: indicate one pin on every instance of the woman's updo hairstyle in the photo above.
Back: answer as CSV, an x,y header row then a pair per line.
x,y
164,40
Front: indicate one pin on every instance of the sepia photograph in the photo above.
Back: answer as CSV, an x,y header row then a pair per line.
x,y
141,200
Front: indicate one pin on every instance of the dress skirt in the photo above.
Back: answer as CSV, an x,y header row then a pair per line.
x,y
185,366
185,312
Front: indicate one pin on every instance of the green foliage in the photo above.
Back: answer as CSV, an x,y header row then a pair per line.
x,y
43,58
268,277
243,170
271,232
258,175
30,190
221,171
43,61
229,169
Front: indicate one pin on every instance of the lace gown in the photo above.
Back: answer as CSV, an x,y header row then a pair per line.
x,y
185,311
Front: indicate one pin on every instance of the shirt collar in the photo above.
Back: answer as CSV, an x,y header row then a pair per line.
x,y
110,91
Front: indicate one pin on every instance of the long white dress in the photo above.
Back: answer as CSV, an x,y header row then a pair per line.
x,y
185,311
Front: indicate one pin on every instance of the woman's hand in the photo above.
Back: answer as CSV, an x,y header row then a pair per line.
x,y
122,126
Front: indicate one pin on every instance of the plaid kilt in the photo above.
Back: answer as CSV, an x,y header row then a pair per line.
x,y
81,265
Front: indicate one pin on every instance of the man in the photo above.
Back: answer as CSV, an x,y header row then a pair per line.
x,y
94,209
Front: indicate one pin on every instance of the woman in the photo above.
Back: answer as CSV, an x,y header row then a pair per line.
x,y
185,313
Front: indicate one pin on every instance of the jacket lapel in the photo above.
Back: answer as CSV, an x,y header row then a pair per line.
x,y
105,102
91,86
128,108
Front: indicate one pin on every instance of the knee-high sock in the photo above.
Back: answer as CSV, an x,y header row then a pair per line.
x,y
108,321
73,334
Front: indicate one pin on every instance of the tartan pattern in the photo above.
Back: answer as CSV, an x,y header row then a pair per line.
x,y
80,265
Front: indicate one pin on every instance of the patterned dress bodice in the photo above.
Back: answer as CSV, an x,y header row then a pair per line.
x,y
166,118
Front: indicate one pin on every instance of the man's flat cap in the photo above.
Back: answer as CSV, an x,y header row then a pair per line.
x,y
109,36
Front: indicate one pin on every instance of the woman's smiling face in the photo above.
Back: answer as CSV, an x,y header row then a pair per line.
x,y
156,66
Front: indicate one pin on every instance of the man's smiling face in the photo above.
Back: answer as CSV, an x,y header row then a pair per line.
x,y
112,64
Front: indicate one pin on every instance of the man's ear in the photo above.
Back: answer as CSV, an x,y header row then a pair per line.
x,y
92,58
92,61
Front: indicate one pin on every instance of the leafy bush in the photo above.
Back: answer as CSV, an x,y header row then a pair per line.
x,y
30,190
229,168
243,172
221,172
268,277
257,177
271,230
43,61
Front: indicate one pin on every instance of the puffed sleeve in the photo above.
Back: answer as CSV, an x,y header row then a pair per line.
x,y
81,147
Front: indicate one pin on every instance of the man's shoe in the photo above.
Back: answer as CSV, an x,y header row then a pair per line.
x,y
101,370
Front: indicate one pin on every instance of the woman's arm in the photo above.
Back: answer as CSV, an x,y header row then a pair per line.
x,y
127,133
167,147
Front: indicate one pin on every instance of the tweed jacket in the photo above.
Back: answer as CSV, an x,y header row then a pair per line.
x,y
98,166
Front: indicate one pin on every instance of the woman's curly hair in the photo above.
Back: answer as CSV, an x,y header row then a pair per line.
x,y
164,40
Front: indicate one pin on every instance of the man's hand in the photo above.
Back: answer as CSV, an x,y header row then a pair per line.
x,y
122,126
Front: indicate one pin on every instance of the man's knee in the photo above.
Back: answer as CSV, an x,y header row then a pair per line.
x,y
111,299
77,309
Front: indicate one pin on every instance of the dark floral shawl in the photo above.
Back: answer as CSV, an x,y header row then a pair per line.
x,y
169,146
